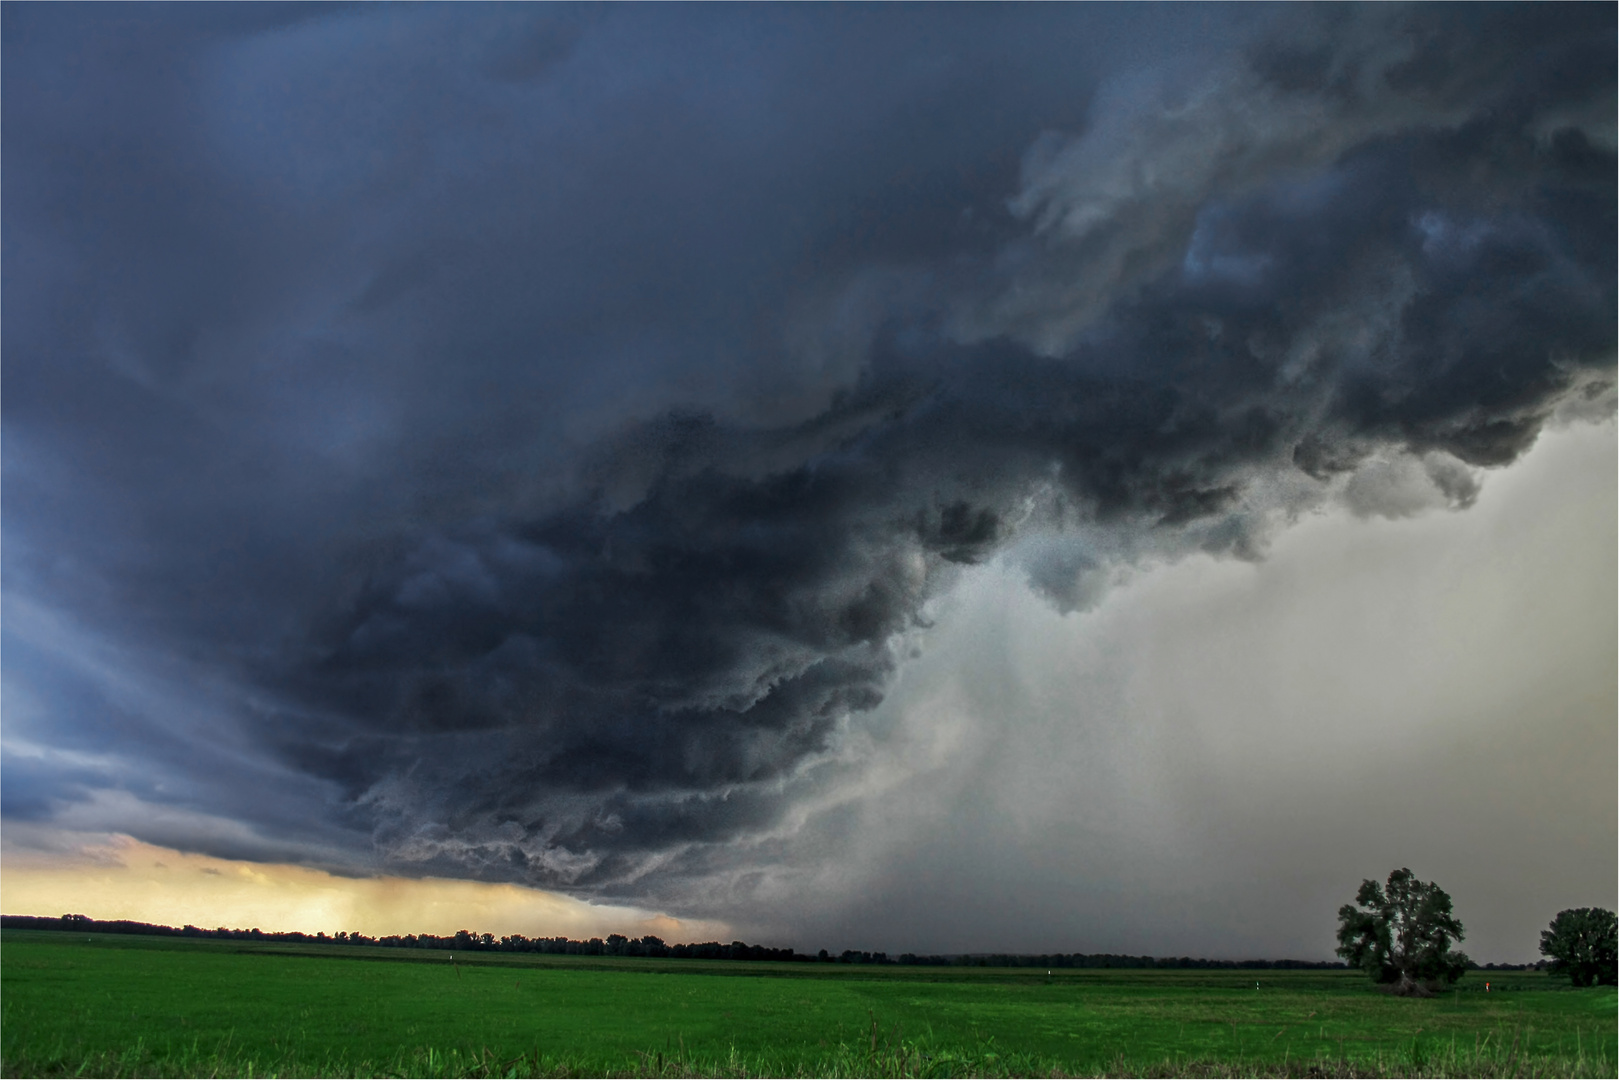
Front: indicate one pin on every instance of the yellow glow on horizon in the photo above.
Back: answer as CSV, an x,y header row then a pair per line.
x,y
121,878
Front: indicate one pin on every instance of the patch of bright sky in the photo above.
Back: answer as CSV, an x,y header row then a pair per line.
x,y
115,877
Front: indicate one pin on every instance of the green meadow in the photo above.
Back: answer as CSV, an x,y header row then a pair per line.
x,y
115,1005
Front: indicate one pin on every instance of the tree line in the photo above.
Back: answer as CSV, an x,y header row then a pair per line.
x,y
460,941
1399,933
650,946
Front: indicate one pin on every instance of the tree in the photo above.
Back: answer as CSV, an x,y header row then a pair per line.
x,y
1584,945
1401,935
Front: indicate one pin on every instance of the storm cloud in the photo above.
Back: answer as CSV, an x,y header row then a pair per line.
x,y
526,443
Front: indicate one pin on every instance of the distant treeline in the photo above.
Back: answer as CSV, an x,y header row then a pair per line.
x,y
619,945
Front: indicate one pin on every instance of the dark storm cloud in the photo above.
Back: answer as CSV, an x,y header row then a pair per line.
x,y
528,435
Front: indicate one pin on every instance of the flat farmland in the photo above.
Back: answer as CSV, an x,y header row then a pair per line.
x,y
150,1006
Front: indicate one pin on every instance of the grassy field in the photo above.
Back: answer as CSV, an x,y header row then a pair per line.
x,y
146,1006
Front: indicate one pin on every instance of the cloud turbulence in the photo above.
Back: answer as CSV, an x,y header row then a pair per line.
x,y
526,443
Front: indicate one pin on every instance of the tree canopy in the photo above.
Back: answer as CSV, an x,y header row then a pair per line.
x,y
1401,934
1583,944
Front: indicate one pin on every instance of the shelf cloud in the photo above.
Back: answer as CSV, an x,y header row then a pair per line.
x,y
528,445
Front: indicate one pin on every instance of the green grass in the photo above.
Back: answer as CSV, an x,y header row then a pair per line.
x,y
132,1006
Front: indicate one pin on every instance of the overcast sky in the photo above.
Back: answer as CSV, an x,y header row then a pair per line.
x,y
1054,477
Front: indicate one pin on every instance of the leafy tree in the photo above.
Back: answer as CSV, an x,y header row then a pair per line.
x,y
1401,935
1584,945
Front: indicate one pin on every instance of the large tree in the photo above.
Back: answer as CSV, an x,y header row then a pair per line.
x,y
1584,945
1401,935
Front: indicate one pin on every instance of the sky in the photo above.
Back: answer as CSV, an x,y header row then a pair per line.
x,y
920,478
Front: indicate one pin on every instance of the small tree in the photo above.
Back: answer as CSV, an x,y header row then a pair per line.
x,y
1584,945
1401,935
